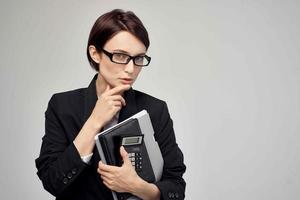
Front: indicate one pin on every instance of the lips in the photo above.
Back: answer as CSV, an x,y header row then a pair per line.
x,y
126,80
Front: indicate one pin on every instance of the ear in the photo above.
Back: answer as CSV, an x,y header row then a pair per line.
x,y
95,55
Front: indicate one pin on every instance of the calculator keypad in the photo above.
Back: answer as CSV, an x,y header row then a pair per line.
x,y
136,160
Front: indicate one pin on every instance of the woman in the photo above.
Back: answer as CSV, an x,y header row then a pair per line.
x,y
69,165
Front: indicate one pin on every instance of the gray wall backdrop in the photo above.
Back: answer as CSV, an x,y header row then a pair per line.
x,y
229,71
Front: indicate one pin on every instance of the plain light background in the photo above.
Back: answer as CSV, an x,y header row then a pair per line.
x,y
229,71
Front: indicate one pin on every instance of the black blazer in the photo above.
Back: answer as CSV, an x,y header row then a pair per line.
x,y
59,165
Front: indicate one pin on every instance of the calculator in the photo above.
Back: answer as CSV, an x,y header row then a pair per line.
x,y
138,156
131,145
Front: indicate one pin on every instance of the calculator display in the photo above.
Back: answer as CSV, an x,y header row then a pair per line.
x,y
132,140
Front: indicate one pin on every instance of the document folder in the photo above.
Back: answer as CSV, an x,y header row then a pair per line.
x,y
136,134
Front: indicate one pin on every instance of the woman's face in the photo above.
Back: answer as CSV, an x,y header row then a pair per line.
x,y
116,74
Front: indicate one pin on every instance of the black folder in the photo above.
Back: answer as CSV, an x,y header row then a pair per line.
x,y
108,143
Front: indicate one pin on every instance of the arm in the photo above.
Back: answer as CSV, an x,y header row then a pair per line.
x,y
59,163
171,185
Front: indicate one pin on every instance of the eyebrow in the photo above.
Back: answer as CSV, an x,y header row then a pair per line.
x,y
125,52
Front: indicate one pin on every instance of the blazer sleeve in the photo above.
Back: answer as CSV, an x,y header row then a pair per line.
x,y
59,162
172,184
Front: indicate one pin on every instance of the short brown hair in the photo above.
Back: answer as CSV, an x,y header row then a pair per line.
x,y
111,23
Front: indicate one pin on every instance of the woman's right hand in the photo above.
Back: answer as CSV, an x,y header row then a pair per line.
x,y
108,104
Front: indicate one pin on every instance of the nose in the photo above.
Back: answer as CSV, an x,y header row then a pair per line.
x,y
129,67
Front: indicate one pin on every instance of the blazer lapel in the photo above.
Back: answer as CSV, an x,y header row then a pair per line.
x,y
130,108
90,99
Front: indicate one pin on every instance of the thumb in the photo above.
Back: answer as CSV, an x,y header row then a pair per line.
x,y
124,154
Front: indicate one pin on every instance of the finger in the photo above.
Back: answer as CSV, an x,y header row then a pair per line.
x,y
106,175
107,184
124,155
119,89
102,167
106,168
105,180
116,107
111,185
118,98
118,104
107,89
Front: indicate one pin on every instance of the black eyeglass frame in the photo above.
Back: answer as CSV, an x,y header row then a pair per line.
x,y
110,55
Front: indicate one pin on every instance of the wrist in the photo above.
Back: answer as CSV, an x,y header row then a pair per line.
x,y
137,185
93,124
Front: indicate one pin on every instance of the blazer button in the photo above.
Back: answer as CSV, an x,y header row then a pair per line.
x,y
69,175
74,171
65,181
171,195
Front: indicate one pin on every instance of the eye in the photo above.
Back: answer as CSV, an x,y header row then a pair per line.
x,y
120,57
139,60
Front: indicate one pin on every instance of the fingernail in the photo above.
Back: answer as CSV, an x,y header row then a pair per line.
x,y
122,148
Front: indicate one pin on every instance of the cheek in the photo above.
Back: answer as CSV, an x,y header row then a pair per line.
x,y
137,71
106,69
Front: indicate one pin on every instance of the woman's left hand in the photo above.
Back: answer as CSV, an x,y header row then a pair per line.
x,y
119,179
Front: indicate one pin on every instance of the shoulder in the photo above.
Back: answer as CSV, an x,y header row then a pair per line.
x,y
146,100
68,95
141,96
67,100
157,108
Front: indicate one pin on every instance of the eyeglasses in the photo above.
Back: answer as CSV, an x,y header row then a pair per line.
x,y
121,58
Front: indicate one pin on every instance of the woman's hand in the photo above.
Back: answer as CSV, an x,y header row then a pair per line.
x,y
119,179
109,103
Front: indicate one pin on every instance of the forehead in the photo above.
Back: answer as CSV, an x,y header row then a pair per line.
x,y
127,42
